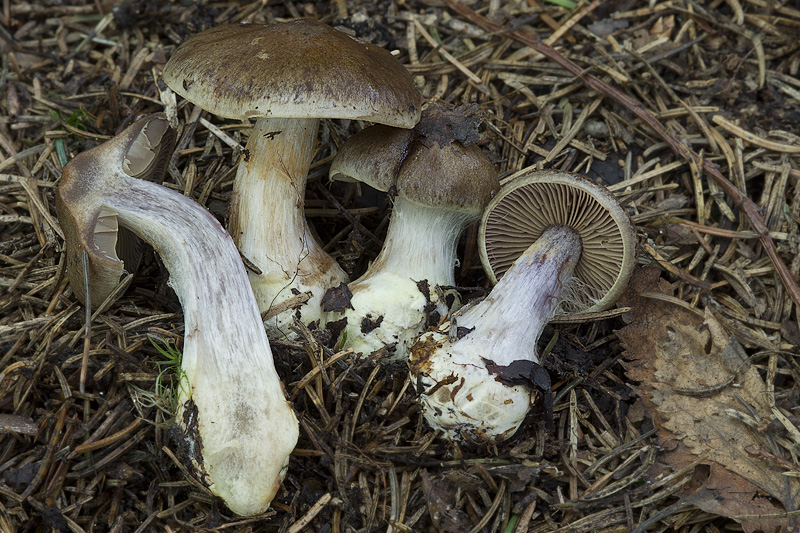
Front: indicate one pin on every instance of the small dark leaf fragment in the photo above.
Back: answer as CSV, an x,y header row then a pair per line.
x,y
337,299
461,331
433,316
450,299
520,372
336,327
528,374
367,324
19,478
425,288
54,518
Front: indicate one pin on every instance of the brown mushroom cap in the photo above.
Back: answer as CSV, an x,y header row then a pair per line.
x,y
453,176
524,208
372,156
429,172
297,69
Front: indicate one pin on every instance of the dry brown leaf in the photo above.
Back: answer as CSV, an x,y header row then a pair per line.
x,y
689,373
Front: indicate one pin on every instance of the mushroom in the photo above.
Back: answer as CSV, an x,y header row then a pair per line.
x,y
238,428
560,244
441,181
287,76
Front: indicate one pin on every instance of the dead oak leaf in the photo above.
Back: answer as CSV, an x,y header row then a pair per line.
x,y
693,379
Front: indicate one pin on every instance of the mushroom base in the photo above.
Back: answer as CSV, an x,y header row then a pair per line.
x,y
284,299
397,296
459,396
389,310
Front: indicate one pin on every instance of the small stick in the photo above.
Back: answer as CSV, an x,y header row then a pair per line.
x,y
306,519
449,57
350,218
755,139
87,334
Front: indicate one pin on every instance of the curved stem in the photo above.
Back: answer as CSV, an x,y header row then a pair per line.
x,y
236,423
227,360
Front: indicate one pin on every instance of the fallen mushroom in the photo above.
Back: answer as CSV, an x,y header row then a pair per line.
x,y
441,182
238,428
288,76
562,245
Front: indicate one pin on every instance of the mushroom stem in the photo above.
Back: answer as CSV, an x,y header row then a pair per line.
x,y
238,427
458,393
231,394
420,245
267,220
527,296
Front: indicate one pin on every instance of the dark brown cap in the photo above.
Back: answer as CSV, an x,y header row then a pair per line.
x,y
453,176
527,206
372,156
297,69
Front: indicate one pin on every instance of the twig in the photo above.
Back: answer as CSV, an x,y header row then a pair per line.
x,y
305,520
350,218
755,139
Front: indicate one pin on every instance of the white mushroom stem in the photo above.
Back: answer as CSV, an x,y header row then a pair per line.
x,y
268,224
457,392
245,426
420,245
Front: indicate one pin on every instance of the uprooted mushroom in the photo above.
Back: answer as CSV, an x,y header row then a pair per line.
x,y
561,245
238,428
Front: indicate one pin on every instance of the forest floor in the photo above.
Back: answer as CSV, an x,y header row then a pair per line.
x,y
677,410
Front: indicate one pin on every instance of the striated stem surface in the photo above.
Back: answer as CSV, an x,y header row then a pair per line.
x,y
268,224
390,306
237,428
231,400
